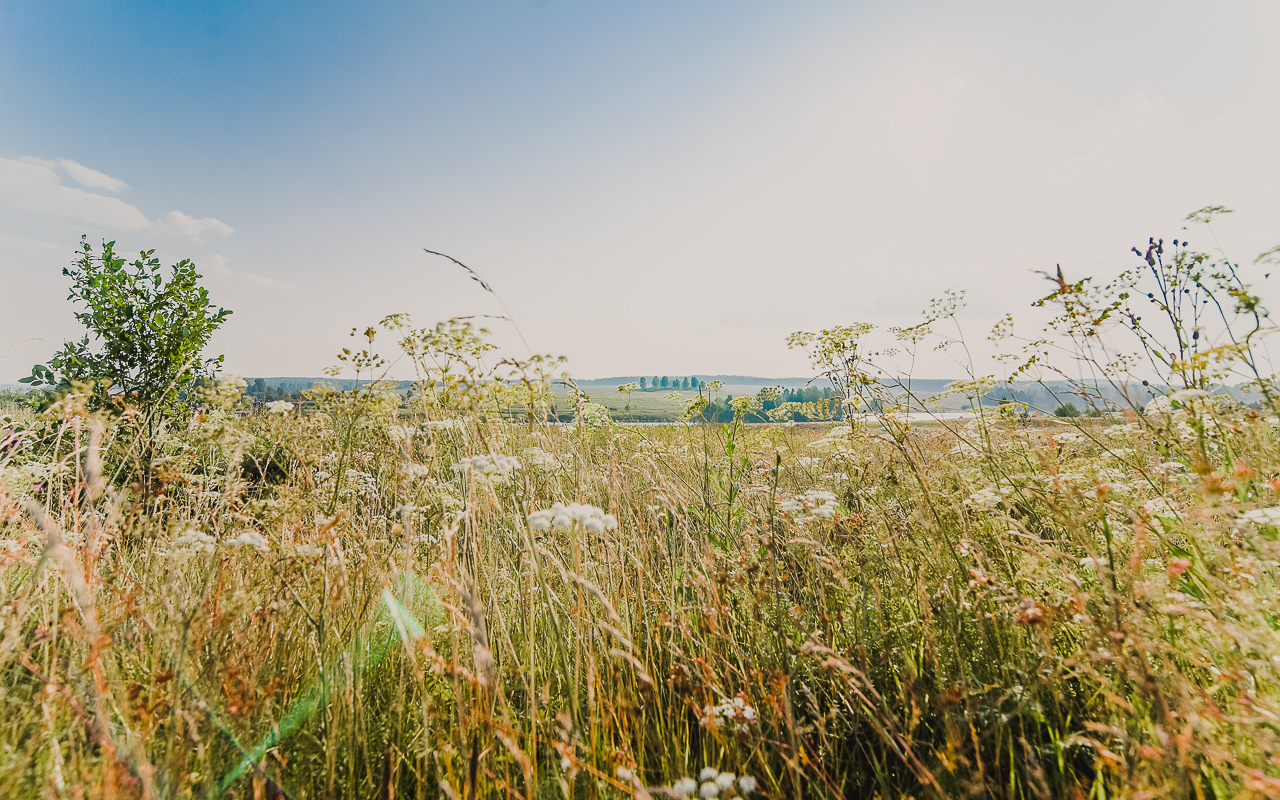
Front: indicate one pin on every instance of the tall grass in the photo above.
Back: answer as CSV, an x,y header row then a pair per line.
x,y
364,602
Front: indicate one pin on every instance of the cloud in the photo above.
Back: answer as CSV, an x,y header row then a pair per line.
x,y
192,228
35,185
217,265
91,177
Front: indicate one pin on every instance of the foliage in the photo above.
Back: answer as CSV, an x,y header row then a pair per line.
x,y
1066,410
144,332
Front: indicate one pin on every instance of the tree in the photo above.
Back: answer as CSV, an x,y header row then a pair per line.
x,y
684,384
643,382
666,382
1066,410
148,332
259,386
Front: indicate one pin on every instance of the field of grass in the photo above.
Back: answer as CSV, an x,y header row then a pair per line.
x,y
355,599
352,604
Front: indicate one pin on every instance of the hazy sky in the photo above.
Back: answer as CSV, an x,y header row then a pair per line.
x,y
652,187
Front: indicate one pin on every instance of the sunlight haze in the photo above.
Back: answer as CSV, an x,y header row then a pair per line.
x,y
652,188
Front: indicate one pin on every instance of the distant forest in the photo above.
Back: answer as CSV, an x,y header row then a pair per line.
x,y
811,396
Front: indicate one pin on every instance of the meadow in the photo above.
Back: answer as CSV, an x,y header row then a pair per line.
x,y
362,602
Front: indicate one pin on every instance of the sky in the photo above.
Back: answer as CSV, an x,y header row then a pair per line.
x,y
650,187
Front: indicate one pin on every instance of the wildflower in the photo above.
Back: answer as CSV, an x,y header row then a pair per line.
x,y
592,518
539,458
1183,395
1177,566
1093,563
685,786
983,500
196,541
747,784
1263,516
725,780
818,502
1159,507
488,465
735,711
709,790
279,407
708,774
248,539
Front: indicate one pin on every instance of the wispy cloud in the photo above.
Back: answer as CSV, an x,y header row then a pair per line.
x,y
91,177
183,225
217,265
35,185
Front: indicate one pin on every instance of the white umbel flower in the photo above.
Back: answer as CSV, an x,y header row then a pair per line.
x,y
591,518
248,539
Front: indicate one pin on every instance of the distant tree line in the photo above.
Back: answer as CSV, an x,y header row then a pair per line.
x,y
659,383
263,393
823,403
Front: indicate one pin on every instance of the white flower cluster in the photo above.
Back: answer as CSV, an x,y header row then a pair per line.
x,y
1070,437
1165,405
537,457
1124,430
1159,507
195,541
1263,516
733,712
593,519
713,782
817,502
400,434
488,465
983,500
279,407
248,539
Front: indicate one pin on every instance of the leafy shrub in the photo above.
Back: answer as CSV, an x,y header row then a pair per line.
x,y
144,333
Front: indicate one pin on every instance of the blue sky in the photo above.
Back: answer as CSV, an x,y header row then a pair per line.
x,y
656,187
